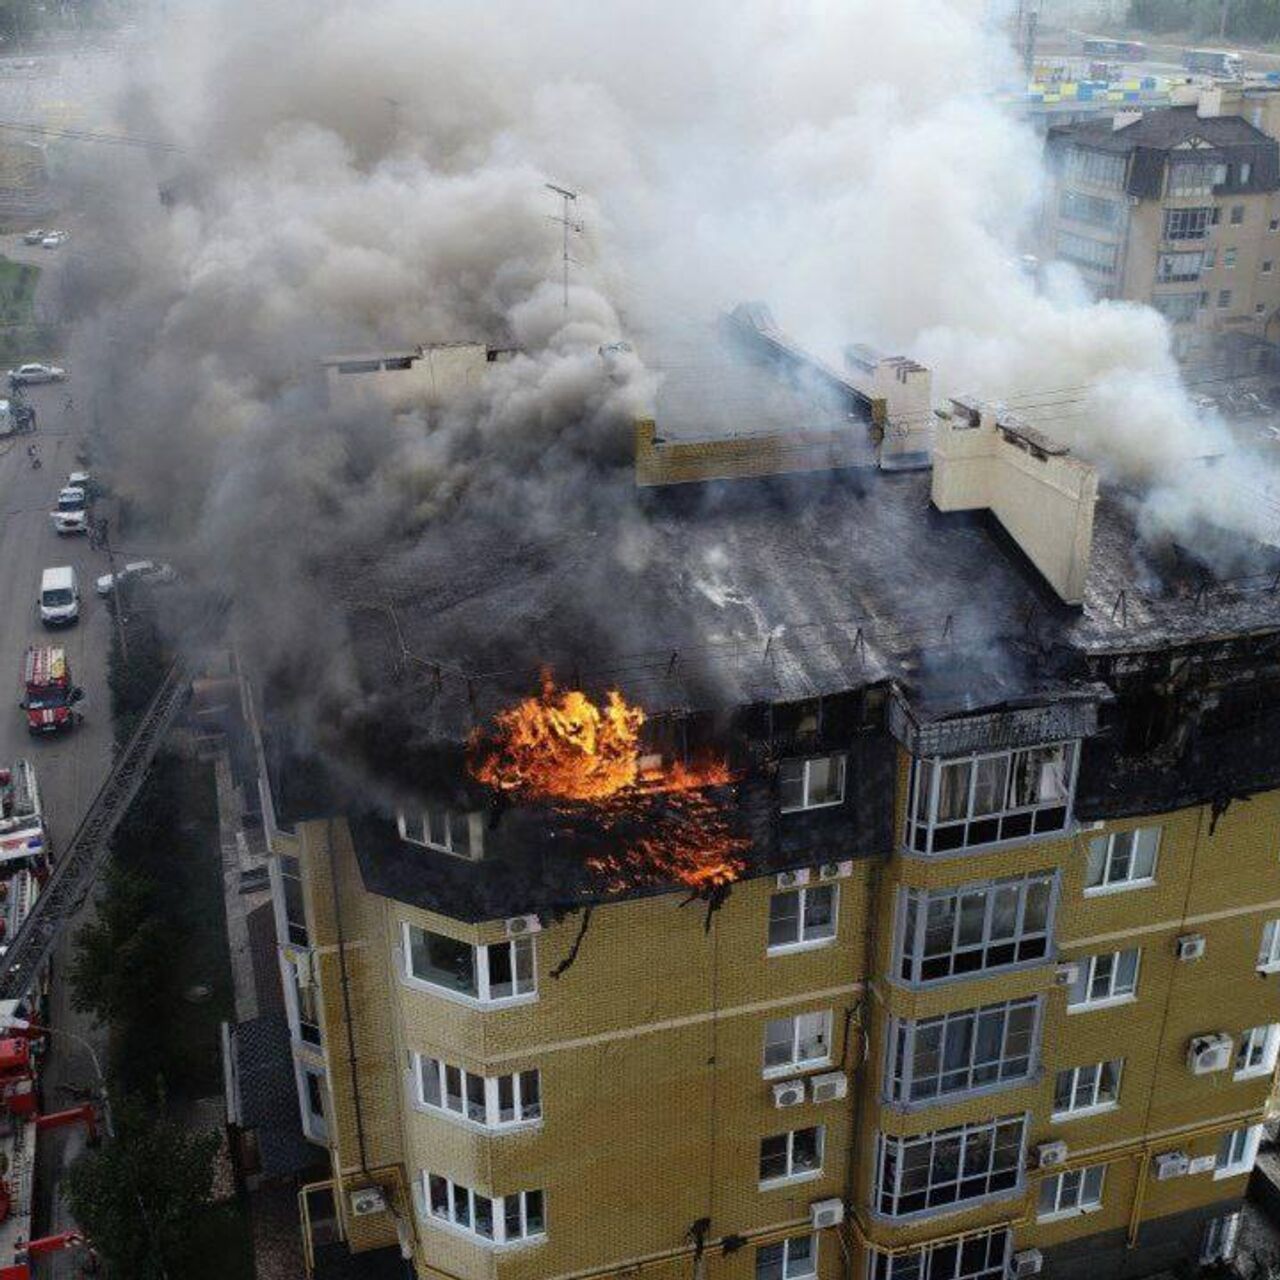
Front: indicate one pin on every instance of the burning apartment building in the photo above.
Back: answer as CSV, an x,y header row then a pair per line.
x,y
900,905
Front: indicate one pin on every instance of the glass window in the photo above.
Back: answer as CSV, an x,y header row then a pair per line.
x,y
1094,210
983,799
811,784
1077,1191
519,1216
1177,308
797,1042
978,1257
1097,167
1224,298
499,971
1228,257
963,1050
797,1154
949,1166
295,913
1190,178
1237,210
1256,1055
947,933
437,828
1085,1089
1095,255
1237,1151
1269,952
1105,978
1172,267
1187,224
793,1259
1124,859
801,916
1219,1241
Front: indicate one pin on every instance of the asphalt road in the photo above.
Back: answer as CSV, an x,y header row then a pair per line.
x,y
69,768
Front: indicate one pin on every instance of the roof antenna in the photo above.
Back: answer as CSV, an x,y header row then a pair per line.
x,y
568,224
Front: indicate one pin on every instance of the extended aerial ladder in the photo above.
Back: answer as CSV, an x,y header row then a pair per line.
x,y
81,861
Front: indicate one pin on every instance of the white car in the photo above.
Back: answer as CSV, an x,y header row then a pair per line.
x,y
26,374
152,572
72,515
53,239
35,236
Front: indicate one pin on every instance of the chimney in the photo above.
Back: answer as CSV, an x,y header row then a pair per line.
x,y
1123,119
1042,496
905,389
1210,103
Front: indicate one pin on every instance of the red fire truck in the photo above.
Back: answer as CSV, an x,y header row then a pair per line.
x,y
23,839
49,696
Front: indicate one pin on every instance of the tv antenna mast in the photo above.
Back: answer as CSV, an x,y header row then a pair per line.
x,y
568,224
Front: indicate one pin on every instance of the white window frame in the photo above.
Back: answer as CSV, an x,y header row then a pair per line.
x,y
1088,1079
1089,966
1229,258
475,831
900,1078
1261,1041
804,942
787,1273
490,1120
1184,224
1218,1244
839,759
923,825
1237,1151
1070,1189
1029,947
925,1262
1269,951
480,966
964,1134
1179,266
798,1062
497,1209
1130,881
315,1128
793,1175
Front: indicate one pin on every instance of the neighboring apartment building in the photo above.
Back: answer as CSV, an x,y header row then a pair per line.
x,y
1177,207
994,992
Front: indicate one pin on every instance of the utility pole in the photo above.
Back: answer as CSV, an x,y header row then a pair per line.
x,y
568,224
1222,26
1026,22
117,600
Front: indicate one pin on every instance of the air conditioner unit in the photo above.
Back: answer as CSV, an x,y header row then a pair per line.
x,y
1209,1053
1191,946
1202,1164
518,926
830,1087
1027,1262
1051,1154
1066,975
788,1093
826,1213
793,879
367,1200
1170,1164
835,870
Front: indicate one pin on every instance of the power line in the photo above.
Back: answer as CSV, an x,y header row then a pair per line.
x,y
88,135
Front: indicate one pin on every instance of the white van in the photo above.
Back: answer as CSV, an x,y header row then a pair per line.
x,y
59,596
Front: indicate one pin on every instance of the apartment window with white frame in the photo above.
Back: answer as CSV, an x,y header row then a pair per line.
x,y
1172,267
802,917
492,1102
1188,224
1081,1091
1237,1151
1066,1194
963,1050
1195,179
948,1166
1094,255
1269,952
1110,978
1122,860
492,974
1229,258
442,829
1237,210
489,1219
1177,308
1210,259
1224,299
1096,167
1094,210
795,1258
984,1256
1256,1055
798,1043
791,1157
977,928
295,914
985,799
813,783
314,1124
1219,1241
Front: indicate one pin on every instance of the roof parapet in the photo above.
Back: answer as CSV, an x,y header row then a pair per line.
x,y
1043,497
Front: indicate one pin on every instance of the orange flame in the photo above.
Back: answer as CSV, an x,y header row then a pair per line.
x,y
563,748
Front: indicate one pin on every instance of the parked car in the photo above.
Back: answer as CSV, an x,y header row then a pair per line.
x,y
153,572
72,514
35,235
53,239
26,374
82,480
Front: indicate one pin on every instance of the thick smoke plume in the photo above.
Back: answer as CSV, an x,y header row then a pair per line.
x,y
362,176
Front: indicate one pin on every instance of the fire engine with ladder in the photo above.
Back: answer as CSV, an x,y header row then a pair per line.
x,y
35,909
49,698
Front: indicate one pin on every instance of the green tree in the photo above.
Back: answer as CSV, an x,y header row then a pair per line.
x,y
141,1198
